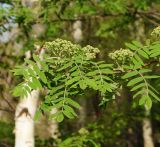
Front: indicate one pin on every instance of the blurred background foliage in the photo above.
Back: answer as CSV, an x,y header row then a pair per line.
x,y
106,24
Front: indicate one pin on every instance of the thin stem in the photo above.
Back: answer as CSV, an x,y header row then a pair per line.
x,y
145,82
102,81
6,110
79,70
64,97
8,103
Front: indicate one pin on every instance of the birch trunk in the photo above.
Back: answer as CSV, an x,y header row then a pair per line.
x,y
78,37
53,128
146,124
25,111
77,31
24,120
147,130
46,129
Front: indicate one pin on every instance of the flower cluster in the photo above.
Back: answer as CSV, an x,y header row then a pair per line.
x,y
90,51
83,131
121,55
156,32
63,48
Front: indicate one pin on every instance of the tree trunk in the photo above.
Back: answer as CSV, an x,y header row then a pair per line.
x,y
146,124
77,31
46,129
24,118
147,131
78,37
24,125
53,126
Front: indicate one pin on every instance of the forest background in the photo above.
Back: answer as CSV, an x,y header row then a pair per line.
x,y
25,25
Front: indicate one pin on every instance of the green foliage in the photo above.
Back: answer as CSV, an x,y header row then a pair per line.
x,y
141,73
138,80
101,22
108,16
82,138
5,133
68,70
102,132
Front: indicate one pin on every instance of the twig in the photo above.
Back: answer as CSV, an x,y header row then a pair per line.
x,y
151,20
9,104
6,110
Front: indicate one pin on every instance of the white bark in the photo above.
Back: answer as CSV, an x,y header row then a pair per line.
x,y
147,131
46,129
146,124
25,111
53,127
77,31
24,125
24,118
78,37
